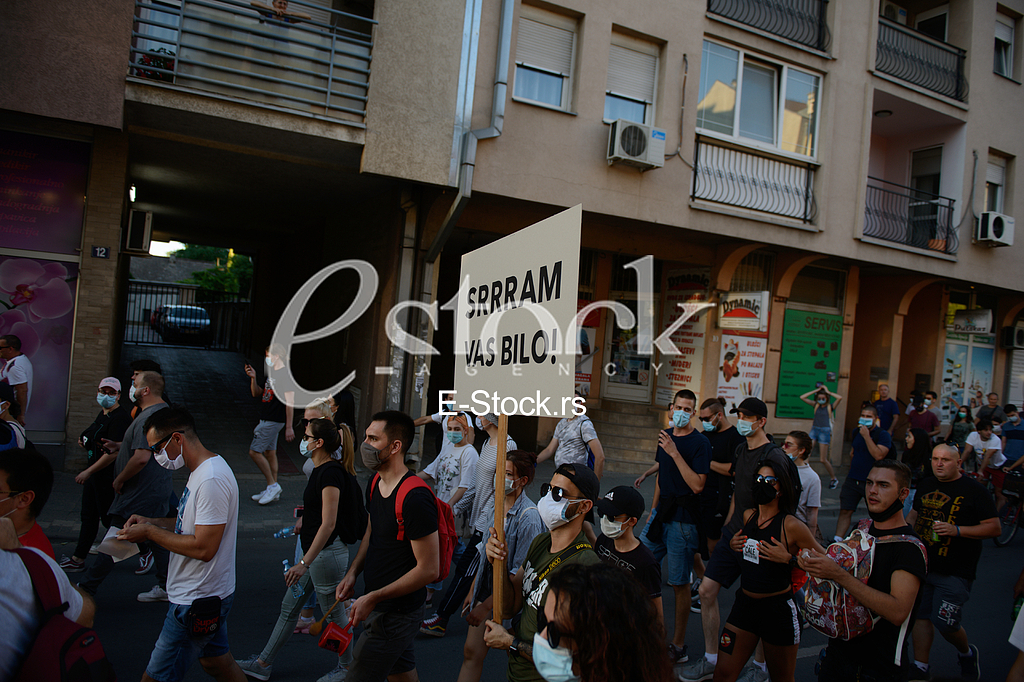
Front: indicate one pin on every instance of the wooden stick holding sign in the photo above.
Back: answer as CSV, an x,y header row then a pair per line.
x,y
499,518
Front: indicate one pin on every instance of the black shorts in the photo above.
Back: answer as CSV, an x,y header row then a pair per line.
x,y
710,520
773,619
724,565
851,494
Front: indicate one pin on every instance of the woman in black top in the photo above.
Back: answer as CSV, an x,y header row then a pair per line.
x,y
764,609
918,456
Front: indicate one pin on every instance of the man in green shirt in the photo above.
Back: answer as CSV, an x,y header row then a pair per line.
x,y
564,505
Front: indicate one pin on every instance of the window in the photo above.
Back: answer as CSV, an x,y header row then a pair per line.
x,y
545,51
819,289
1003,61
769,104
995,181
632,80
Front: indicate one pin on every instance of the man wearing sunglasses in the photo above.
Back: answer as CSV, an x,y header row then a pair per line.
x,y
564,504
141,487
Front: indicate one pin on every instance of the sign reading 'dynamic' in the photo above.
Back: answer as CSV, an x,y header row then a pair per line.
x,y
744,310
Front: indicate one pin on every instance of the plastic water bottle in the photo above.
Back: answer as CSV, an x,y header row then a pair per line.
x,y
286,532
296,590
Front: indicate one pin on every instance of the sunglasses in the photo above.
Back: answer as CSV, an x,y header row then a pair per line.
x,y
555,633
786,445
557,494
157,446
306,436
766,479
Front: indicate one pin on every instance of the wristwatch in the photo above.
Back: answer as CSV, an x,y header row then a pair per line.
x,y
792,561
514,647
303,562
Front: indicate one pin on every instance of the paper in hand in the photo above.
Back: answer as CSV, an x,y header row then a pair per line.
x,y
118,550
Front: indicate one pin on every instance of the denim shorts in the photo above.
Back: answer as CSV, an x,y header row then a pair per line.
x,y
176,650
679,542
264,436
821,434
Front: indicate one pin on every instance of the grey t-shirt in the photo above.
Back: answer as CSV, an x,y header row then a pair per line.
x,y
573,436
148,492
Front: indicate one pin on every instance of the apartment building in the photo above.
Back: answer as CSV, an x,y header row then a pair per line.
x,y
838,178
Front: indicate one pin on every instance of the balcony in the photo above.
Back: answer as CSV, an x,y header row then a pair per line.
x,y
746,179
313,59
910,217
802,21
919,59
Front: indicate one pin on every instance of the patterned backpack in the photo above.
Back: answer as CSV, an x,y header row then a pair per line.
x,y
831,609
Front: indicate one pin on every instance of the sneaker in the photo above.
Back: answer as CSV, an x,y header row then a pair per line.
x,y
253,669
70,565
156,594
833,484
700,670
752,673
337,675
302,626
916,674
146,562
435,626
694,604
271,494
677,654
970,664
95,549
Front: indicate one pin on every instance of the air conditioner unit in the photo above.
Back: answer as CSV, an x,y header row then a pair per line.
x,y
635,144
1013,337
996,229
894,12
140,228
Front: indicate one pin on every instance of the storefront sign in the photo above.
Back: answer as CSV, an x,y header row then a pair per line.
x,y
972,322
676,372
741,368
745,310
516,335
811,345
42,192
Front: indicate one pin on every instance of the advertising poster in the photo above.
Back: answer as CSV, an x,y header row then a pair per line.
x,y
585,359
37,304
42,192
741,368
811,344
677,372
744,311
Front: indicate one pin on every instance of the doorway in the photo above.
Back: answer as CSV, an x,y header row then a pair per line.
x,y
627,374
925,180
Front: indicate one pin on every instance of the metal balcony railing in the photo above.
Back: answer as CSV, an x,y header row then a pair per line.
x,y
319,65
908,216
921,60
747,179
802,21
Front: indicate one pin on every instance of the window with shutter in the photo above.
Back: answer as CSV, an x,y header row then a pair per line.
x,y
995,181
1003,55
545,53
632,80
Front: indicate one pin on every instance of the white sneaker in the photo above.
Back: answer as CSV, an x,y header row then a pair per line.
x,y
337,675
753,673
271,494
95,549
156,594
257,496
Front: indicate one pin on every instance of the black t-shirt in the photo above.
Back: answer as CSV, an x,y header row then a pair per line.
x,y
963,502
746,468
877,649
387,558
696,452
111,426
271,409
640,562
723,450
330,474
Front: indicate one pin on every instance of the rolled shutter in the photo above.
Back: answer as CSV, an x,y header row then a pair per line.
x,y
544,46
631,73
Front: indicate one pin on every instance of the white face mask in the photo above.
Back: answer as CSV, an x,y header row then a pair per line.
x,y
479,424
553,513
166,462
131,393
612,529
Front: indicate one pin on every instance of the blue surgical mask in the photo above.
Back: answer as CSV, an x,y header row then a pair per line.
x,y
708,426
304,449
866,421
270,363
455,437
105,401
744,427
680,419
553,664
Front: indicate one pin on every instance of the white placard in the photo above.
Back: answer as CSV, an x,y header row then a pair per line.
x,y
516,309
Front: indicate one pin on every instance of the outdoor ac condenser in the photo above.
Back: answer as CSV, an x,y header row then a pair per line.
x,y
995,229
636,144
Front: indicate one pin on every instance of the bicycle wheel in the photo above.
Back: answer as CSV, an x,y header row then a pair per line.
x,y
1009,522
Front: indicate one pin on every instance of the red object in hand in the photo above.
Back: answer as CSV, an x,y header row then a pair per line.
x,y
335,638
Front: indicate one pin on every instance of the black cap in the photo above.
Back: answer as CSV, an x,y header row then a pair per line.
x,y
583,478
623,499
751,407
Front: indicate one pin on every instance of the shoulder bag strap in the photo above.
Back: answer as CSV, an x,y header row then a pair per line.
x,y
43,581
407,484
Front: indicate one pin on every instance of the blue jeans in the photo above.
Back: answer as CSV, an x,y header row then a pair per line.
x,y
175,649
679,542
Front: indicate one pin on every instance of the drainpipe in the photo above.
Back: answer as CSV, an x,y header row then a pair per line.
x,y
469,140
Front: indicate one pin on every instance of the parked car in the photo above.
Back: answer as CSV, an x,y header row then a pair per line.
x,y
186,323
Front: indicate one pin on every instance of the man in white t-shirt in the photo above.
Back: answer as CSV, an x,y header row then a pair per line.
x,y
201,574
20,611
17,371
988,448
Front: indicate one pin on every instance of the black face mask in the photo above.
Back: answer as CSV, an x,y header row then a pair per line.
x,y
887,514
764,492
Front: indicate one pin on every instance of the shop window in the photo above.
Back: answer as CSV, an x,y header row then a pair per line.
x,y
820,289
632,80
754,273
545,53
1003,54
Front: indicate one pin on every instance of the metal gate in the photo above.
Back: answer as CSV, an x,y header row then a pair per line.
x,y
165,313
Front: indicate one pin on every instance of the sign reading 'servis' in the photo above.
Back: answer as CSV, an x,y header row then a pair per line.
x,y
516,331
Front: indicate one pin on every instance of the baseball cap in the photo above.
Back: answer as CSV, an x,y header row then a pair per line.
x,y
111,382
583,478
621,499
751,407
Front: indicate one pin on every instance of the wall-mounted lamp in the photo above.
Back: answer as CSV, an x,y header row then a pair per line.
x,y
131,193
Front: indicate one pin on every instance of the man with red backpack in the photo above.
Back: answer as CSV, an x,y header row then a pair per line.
x,y
891,591
399,555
